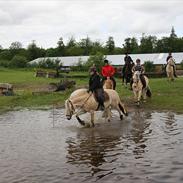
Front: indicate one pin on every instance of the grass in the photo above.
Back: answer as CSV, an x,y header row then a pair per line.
x,y
165,95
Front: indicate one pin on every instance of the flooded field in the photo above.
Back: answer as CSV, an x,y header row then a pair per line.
x,y
146,147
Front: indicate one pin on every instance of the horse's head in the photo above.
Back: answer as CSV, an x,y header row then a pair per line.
x,y
136,77
171,61
69,109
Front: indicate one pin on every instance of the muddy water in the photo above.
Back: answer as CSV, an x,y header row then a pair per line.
x,y
145,147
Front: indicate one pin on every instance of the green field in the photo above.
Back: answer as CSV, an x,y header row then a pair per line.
x,y
165,95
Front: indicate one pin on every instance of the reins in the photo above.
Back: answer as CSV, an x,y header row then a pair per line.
x,y
81,105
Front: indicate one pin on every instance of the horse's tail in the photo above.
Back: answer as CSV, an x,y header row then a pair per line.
x,y
122,108
148,93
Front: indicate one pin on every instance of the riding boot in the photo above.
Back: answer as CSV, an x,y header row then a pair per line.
x,y
142,78
99,93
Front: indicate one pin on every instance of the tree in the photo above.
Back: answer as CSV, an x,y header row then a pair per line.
x,y
61,47
131,45
34,51
1,48
148,44
71,43
97,59
18,61
172,34
110,45
16,45
86,45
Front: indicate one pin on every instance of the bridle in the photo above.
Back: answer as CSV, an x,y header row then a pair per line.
x,y
72,110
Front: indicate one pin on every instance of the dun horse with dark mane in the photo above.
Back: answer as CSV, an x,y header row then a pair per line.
x,y
80,102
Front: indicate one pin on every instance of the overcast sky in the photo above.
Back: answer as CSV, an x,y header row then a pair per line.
x,y
47,20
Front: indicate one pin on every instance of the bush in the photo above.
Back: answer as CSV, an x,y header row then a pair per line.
x,y
18,61
149,66
4,63
48,64
97,59
79,66
181,64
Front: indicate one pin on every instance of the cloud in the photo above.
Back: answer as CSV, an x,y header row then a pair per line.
x,y
46,21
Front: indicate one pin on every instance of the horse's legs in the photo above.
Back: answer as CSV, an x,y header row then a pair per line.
x,y
139,95
92,118
107,114
79,119
135,95
144,94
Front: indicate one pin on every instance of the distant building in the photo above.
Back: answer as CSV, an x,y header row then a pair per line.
x,y
156,58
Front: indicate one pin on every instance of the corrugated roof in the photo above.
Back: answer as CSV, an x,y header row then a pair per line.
x,y
156,58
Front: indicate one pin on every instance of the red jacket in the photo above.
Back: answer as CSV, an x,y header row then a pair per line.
x,y
108,71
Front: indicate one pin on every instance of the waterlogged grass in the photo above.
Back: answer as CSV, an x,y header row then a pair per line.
x,y
165,95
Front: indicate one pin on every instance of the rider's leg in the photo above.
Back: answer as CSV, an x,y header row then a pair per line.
x,y
99,93
142,78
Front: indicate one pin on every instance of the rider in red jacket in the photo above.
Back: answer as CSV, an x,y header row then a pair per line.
x,y
108,71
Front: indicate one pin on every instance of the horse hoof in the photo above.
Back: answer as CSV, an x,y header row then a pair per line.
x,y
121,117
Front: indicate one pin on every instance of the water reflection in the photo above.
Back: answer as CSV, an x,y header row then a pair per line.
x,y
144,147
94,148
140,131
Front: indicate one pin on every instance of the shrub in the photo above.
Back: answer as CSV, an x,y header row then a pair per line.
x,y
149,66
18,61
4,63
181,64
97,59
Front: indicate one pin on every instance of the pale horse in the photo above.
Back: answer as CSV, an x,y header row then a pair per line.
x,y
170,70
80,102
108,83
138,89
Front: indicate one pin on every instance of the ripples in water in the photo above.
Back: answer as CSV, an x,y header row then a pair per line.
x,y
144,147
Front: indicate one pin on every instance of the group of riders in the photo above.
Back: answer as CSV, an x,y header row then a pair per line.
x,y
96,81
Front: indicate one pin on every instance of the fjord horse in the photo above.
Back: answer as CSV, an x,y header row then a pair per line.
x,y
170,69
108,84
139,90
80,102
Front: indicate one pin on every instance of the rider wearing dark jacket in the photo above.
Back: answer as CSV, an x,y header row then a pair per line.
x,y
128,61
96,87
168,57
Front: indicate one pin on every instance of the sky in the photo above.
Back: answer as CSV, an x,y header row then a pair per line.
x,y
45,21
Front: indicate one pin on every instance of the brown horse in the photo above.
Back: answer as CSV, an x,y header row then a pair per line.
x,y
127,73
80,102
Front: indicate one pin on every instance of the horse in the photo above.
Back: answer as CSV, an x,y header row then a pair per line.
x,y
127,73
170,69
108,83
139,90
80,102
